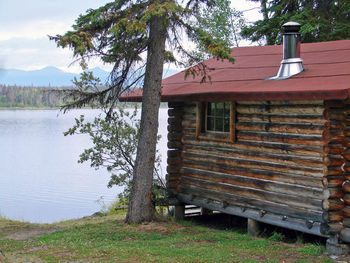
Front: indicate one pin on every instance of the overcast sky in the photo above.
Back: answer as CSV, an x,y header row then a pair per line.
x,y
25,24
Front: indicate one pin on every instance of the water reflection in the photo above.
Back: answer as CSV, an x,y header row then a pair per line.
x,y
40,178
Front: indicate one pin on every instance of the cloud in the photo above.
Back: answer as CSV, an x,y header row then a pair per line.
x,y
37,18
25,25
29,54
25,53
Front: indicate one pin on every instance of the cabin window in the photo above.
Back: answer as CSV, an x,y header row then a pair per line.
x,y
216,121
218,116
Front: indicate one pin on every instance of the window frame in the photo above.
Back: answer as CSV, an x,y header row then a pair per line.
x,y
201,124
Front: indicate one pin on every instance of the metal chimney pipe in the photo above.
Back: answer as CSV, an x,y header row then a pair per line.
x,y
291,40
291,64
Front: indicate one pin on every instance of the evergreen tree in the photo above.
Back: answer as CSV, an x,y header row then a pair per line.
x,y
320,20
123,32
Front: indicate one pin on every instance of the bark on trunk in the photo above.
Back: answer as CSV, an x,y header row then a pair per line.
x,y
140,206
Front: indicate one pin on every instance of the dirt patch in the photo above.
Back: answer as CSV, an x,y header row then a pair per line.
x,y
23,234
157,227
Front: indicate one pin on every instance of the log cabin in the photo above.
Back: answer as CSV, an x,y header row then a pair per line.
x,y
266,139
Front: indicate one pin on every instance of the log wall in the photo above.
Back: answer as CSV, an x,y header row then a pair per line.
x,y
345,233
285,167
333,137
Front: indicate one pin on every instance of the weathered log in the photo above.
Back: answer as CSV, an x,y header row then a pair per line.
x,y
283,119
172,185
333,171
238,162
282,102
346,211
189,123
346,222
346,154
252,203
333,216
334,104
190,110
174,128
177,113
280,109
333,160
254,183
331,228
189,116
261,146
282,137
296,201
346,199
174,145
333,193
332,204
260,156
334,114
347,131
189,131
346,142
329,136
172,176
172,161
332,124
345,235
215,137
174,153
173,169
256,173
174,121
332,181
175,105
174,136
199,119
278,127
346,186
347,167
333,149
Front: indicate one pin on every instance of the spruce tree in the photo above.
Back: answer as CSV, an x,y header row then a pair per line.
x,y
123,33
320,20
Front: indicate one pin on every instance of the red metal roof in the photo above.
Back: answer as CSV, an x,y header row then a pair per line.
x,y
327,76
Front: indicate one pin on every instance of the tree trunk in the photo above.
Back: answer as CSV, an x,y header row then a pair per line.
x,y
140,206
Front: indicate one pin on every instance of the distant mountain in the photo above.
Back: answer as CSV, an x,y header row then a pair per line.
x,y
51,76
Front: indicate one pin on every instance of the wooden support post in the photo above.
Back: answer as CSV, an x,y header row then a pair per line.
x,y
205,211
254,227
333,246
179,212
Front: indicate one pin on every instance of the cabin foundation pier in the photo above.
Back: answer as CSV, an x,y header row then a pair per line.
x,y
179,212
254,228
334,247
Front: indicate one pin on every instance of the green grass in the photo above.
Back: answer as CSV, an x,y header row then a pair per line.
x,y
108,239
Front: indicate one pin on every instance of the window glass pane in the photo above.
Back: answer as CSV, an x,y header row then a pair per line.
x,y
226,125
211,108
227,109
210,123
219,109
219,124
218,116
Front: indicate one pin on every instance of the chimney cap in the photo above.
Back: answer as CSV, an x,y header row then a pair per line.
x,y
291,27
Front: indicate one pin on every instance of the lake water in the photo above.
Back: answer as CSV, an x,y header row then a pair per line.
x,y
40,179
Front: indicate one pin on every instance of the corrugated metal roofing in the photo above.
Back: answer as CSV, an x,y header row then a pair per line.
x,y
327,76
